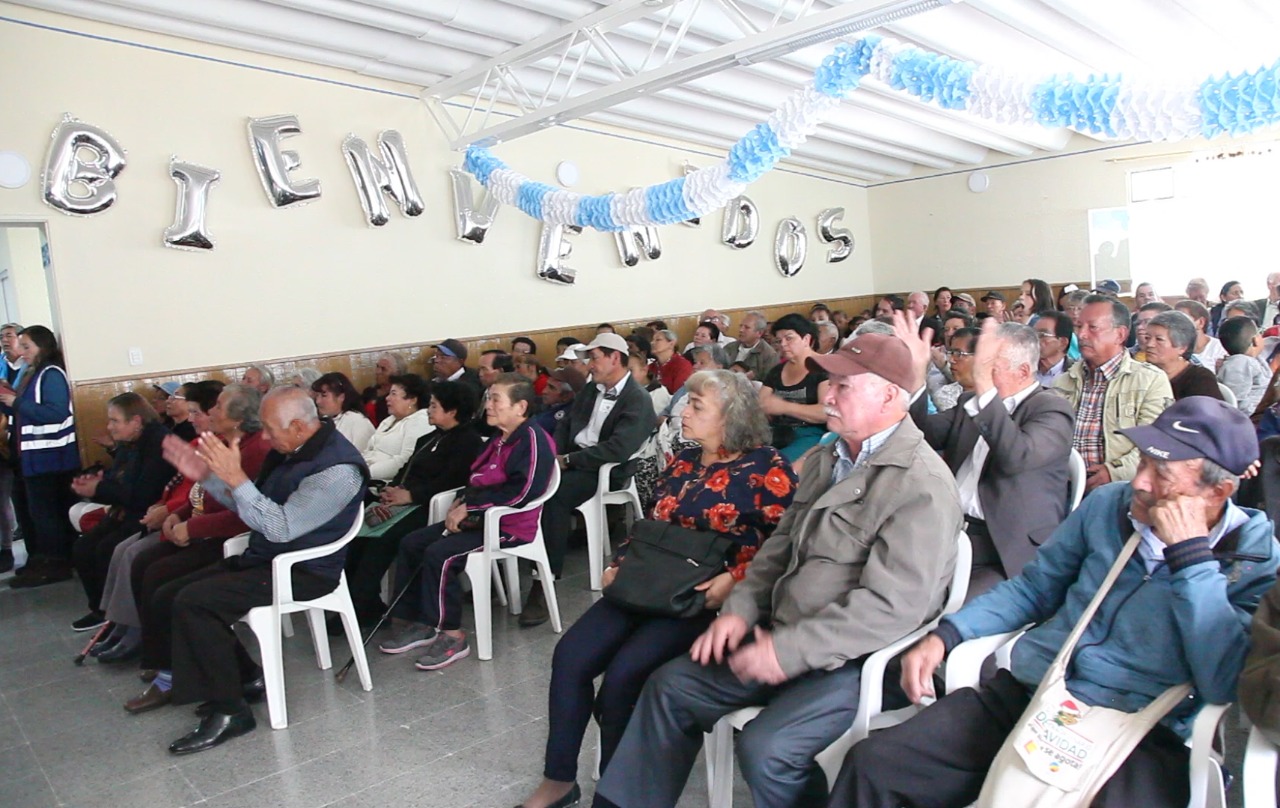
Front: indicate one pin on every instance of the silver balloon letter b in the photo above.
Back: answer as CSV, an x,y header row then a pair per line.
x,y
74,184
389,176
635,242
189,230
741,223
790,247
473,225
553,248
842,237
274,165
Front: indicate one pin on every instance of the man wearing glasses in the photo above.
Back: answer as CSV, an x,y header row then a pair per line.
x,y
1054,330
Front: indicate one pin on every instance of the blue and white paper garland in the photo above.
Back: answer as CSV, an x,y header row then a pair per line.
x,y
1107,106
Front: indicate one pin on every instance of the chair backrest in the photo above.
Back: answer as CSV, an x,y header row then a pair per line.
x,y
960,577
552,485
1227,395
1076,463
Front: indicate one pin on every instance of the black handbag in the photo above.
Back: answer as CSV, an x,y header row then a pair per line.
x,y
663,564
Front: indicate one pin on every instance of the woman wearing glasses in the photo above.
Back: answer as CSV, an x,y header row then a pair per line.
x,y
960,362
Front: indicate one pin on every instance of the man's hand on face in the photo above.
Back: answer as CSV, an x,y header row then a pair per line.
x,y
1178,519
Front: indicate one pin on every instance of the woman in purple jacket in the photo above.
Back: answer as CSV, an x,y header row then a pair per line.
x,y
514,469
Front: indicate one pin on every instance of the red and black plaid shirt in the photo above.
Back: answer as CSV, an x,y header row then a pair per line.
x,y
1089,440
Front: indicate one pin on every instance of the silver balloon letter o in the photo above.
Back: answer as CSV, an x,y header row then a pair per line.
x,y
790,247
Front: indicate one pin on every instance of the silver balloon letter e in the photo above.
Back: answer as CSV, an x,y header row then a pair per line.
x,y
274,164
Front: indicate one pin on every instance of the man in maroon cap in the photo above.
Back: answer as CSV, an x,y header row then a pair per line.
x,y
863,556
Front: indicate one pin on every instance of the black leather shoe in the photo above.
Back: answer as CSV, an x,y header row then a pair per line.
x,y
120,653
6,560
535,611
253,693
572,798
103,646
214,729
45,575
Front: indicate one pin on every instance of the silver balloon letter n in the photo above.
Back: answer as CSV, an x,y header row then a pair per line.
x,y
189,230
73,183
389,176
274,164
473,225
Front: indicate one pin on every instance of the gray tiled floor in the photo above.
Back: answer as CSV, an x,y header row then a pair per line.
x,y
471,734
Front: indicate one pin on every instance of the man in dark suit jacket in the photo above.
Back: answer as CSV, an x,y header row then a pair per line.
x,y
1267,309
608,422
1008,444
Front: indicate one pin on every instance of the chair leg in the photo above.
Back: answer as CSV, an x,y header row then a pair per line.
x,y
718,749
271,646
480,571
355,641
595,772
501,587
549,591
286,624
319,638
511,566
593,518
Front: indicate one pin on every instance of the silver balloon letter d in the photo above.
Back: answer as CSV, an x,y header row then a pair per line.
x,y
741,223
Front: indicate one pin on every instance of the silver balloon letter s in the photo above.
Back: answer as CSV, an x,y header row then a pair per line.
x,y
741,223
473,225
790,247
635,242
274,165
189,230
389,176
842,237
553,248
74,184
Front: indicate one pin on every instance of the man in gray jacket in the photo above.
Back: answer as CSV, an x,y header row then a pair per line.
x,y
862,557
750,347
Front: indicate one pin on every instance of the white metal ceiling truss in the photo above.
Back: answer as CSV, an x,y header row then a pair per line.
x,y
590,65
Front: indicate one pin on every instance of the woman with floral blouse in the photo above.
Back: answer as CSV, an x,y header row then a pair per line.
x,y
732,484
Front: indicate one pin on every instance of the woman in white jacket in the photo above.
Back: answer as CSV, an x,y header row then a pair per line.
x,y
393,442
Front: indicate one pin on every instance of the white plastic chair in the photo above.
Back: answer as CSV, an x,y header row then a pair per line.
x,y
1228,395
481,563
265,621
1208,785
593,514
439,509
1259,778
1078,473
719,742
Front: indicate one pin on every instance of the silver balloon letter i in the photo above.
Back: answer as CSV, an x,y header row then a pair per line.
x,y
189,230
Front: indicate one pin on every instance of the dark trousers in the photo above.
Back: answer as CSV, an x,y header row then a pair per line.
x,y
91,555
682,700
941,757
1269,477
369,557
429,564
209,663
626,648
41,503
576,487
152,569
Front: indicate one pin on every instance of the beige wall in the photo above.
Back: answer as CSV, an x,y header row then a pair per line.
x,y
316,279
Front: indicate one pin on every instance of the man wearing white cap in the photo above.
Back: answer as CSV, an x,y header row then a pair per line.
x,y
608,422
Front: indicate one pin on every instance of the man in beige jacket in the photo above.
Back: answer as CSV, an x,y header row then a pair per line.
x,y
1109,391
862,557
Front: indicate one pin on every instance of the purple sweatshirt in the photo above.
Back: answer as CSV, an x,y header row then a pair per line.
x,y
512,472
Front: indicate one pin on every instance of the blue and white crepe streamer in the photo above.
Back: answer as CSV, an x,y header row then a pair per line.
x,y
1103,106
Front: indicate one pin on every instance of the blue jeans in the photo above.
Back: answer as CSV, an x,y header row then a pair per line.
x,y
626,648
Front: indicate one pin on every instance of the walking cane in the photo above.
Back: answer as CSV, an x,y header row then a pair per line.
x,y
342,672
97,635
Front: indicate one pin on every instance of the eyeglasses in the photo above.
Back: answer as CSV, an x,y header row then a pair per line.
x,y
1046,335
956,354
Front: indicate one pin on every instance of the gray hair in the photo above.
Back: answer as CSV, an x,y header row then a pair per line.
x,y
746,426
1021,345
716,353
242,404
268,378
1243,306
667,334
14,326
873,327
295,404
1193,309
399,365
827,325
1182,332
756,320
308,376
904,395
1211,474
1075,298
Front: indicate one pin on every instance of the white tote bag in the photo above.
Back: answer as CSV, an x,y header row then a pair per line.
x,y
1062,751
